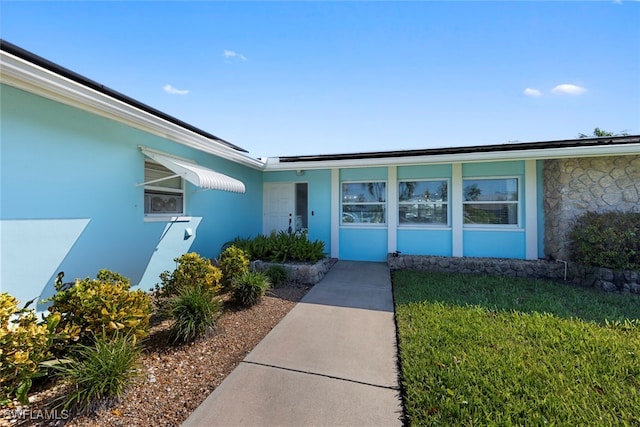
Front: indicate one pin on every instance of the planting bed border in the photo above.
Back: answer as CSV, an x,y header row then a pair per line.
x,y
603,278
302,273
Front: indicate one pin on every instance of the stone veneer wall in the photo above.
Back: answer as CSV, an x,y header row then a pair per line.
x,y
307,274
577,185
601,278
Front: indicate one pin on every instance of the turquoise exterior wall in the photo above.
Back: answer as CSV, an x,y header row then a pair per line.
x,y
494,244
424,172
499,242
319,200
363,242
491,169
69,200
425,240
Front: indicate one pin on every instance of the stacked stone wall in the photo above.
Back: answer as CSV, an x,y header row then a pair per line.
x,y
575,186
601,278
306,274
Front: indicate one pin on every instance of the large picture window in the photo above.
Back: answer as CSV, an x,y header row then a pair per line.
x,y
491,201
364,203
423,202
164,195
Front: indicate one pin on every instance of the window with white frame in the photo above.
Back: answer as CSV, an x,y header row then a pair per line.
x,y
423,202
164,195
492,201
364,202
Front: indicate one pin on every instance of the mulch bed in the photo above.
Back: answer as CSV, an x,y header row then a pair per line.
x,y
173,380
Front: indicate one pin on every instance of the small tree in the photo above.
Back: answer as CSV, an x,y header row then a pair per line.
x,y
597,132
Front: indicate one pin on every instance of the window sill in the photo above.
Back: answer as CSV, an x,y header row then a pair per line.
x,y
164,218
424,227
489,227
364,225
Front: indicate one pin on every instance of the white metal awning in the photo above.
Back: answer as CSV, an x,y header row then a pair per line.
x,y
197,175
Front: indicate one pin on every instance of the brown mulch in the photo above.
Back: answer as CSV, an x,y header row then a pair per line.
x,y
174,380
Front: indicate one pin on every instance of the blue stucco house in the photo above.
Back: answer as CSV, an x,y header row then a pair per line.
x,y
93,179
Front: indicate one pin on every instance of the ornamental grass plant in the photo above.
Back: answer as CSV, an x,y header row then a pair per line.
x,y
99,372
479,350
250,287
194,312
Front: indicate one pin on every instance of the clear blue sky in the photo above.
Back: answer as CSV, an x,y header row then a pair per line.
x,y
289,78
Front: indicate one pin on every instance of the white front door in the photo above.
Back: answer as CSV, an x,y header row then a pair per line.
x,y
279,207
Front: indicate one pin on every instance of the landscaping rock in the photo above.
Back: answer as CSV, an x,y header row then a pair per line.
x,y
607,286
602,278
305,274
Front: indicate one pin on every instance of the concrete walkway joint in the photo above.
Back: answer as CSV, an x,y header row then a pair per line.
x,y
322,375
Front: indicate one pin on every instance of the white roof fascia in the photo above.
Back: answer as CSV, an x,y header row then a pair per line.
x,y
24,75
274,164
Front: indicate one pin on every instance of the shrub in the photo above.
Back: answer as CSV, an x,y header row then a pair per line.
x,y
277,274
194,311
101,306
610,240
233,263
192,271
282,247
100,371
24,344
250,287
257,248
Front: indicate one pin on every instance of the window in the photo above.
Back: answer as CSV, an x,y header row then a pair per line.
x,y
164,195
423,202
491,201
364,202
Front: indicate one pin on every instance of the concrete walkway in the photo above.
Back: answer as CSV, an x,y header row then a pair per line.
x,y
330,362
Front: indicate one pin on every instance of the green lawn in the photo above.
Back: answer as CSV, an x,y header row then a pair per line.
x,y
479,350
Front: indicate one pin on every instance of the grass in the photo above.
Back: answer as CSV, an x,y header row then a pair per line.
x,y
479,350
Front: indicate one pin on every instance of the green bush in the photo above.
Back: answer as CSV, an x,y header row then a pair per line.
x,y
610,240
233,262
101,306
100,371
277,274
24,345
194,311
192,271
282,247
250,287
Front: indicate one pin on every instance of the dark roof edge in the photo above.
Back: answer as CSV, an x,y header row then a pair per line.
x,y
567,143
65,72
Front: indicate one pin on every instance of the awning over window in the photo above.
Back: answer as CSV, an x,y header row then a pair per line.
x,y
196,174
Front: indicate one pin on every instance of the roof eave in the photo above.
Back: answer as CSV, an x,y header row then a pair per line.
x,y
628,148
22,74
